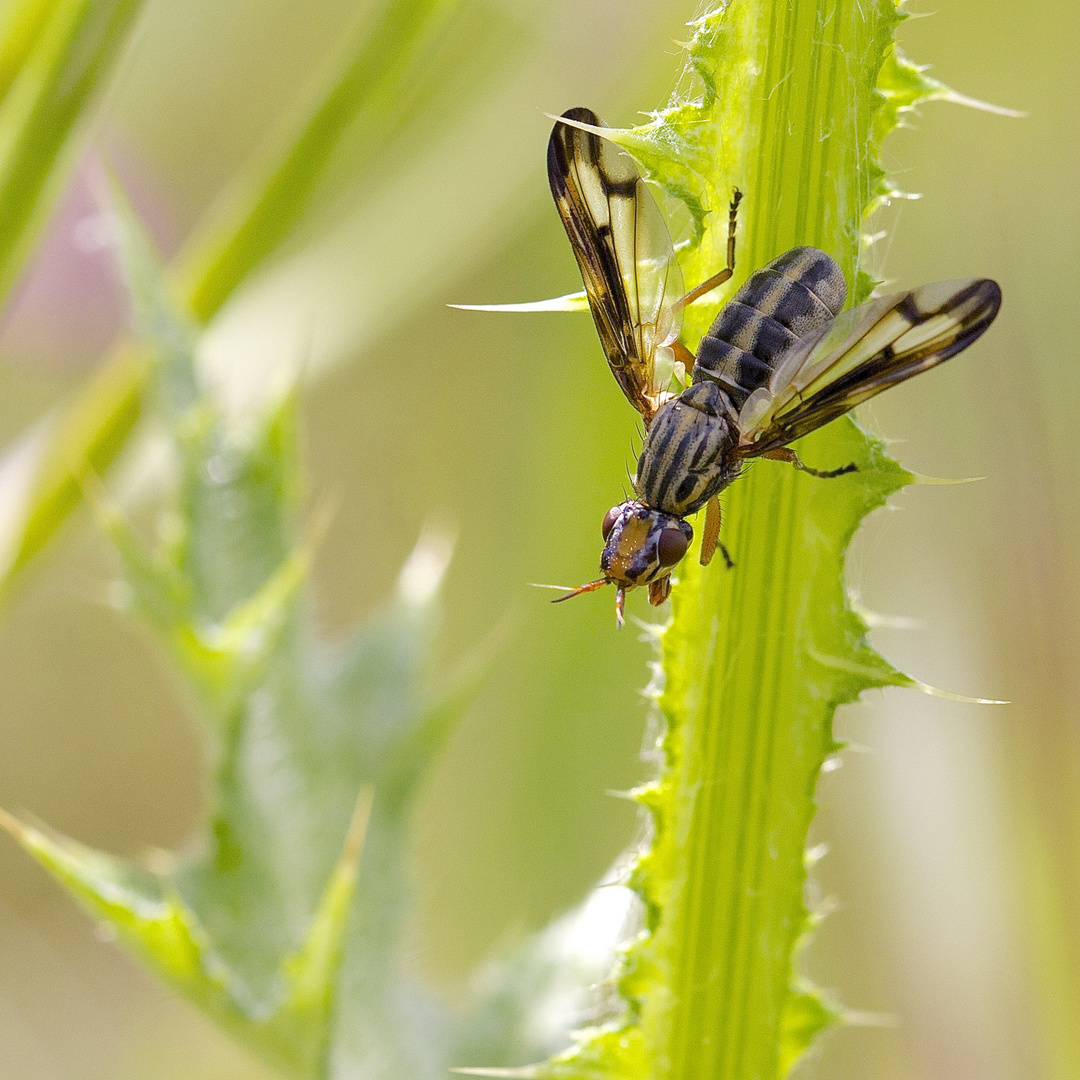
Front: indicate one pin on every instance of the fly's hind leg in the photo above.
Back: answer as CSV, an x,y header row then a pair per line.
x,y
733,210
725,274
785,453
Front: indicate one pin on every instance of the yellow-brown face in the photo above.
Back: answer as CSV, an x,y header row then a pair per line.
x,y
641,546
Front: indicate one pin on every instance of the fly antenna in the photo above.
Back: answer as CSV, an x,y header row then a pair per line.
x,y
590,586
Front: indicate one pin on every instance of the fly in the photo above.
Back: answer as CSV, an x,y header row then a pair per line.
x,y
779,361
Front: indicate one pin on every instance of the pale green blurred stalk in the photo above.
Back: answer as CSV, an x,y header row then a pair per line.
x,y
54,60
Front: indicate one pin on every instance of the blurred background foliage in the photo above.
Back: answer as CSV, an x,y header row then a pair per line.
x,y
954,829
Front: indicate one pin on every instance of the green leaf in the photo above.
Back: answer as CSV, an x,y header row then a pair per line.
x,y
224,656
21,27
143,910
222,661
266,926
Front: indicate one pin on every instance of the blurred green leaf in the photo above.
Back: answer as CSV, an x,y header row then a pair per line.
x,y
162,324
147,916
266,927
21,24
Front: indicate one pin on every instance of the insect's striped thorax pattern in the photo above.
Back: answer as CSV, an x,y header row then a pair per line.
x,y
687,457
794,295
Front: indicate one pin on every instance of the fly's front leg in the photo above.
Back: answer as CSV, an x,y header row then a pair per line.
x,y
659,590
785,453
725,274
710,538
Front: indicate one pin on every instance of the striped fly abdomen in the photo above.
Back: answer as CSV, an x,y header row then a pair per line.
x,y
794,295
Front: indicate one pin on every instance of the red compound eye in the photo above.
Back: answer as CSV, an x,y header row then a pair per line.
x,y
609,521
671,546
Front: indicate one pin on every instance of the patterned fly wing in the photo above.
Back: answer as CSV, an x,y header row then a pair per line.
x,y
862,352
624,252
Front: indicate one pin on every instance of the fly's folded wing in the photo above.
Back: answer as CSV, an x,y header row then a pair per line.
x,y
862,352
624,251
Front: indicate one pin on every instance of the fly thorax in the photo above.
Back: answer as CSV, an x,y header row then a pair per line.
x,y
687,457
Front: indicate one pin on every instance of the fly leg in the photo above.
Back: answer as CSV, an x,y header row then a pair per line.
x,y
659,590
710,538
725,274
785,453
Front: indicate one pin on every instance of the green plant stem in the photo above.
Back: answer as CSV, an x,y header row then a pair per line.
x,y
758,658
754,676
787,100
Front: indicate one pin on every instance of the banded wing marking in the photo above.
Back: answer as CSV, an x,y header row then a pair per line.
x,y
862,352
624,252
